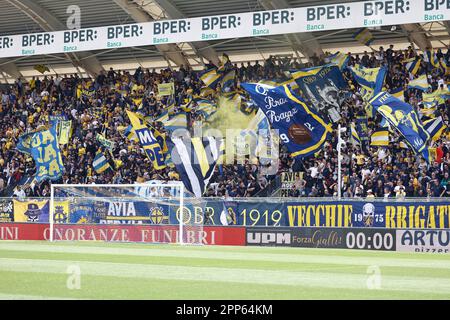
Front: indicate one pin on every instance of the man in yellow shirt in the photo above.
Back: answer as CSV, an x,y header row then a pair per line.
x,y
81,151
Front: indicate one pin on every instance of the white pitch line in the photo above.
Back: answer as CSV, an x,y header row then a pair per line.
x,y
10,296
249,276
365,260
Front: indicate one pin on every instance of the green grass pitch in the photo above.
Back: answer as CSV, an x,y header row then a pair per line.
x,y
43,270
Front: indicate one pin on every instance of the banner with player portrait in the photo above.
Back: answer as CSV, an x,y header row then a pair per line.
x,y
324,88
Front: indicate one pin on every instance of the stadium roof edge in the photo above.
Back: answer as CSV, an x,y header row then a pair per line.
x,y
16,20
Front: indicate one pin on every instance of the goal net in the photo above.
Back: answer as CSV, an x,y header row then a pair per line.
x,y
150,212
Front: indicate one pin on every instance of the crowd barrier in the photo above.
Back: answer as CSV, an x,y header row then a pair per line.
x,y
420,213
411,240
415,225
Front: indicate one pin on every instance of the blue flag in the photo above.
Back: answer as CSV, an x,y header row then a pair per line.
x,y
362,129
402,117
43,147
301,129
147,141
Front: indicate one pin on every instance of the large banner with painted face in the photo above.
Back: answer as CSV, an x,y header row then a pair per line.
x,y
264,212
324,88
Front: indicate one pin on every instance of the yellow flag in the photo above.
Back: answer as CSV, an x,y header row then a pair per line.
x,y
148,141
64,131
166,89
41,68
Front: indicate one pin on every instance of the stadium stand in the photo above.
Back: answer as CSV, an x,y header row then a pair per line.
x,y
97,106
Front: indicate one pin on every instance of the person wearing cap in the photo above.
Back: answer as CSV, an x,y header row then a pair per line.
x,y
370,194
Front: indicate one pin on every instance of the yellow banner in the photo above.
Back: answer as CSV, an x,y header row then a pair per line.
x,y
148,141
64,131
61,212
166,89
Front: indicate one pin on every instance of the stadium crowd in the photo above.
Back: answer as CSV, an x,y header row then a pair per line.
x,y
98,106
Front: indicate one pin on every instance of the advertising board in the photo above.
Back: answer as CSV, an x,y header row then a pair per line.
x,y
348,15
416,240
208,235
321,237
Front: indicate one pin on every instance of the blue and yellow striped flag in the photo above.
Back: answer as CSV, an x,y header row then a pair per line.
x,y
211,78
420,83
434,61
430,101
356,140
412,65
363,36
380,138
339,58
435,127
225,63
100,163
130,134
205,107
195,160
371,81
399,93
178,121
227,82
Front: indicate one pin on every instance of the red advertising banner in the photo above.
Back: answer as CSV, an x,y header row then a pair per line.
x,y
209,235
23,231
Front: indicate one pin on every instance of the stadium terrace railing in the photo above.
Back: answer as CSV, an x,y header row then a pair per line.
x,y
272,188
288,199
432,213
